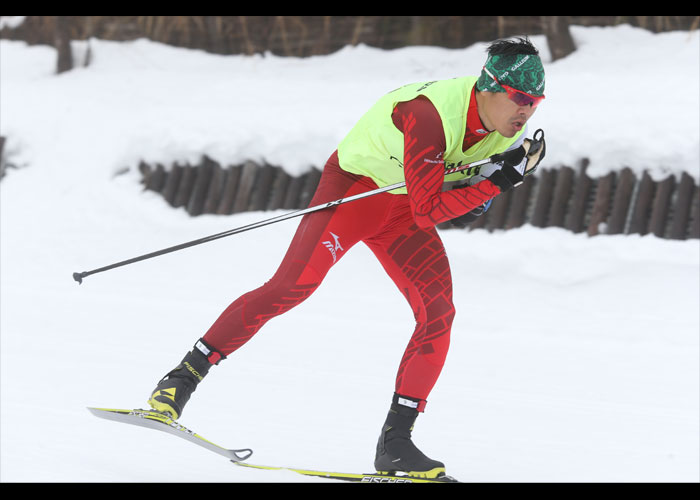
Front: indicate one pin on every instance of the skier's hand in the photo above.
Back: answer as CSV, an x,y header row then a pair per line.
x,y
536,151
509,169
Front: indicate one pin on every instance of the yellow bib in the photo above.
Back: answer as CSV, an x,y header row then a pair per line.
x,y
374,146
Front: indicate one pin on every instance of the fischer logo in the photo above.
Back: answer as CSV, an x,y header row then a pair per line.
x,y
334,246
374,479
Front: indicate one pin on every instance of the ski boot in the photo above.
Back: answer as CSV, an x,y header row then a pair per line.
x,y
395,450
174,390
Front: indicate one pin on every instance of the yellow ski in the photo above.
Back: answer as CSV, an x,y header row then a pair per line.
x,y
162,422
372,477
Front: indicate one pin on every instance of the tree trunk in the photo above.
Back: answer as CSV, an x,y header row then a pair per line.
x,y
62,44
556,28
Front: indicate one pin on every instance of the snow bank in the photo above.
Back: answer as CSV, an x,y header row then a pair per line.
x,y
625,98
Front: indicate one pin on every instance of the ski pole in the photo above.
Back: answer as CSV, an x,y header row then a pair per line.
x,y
297,213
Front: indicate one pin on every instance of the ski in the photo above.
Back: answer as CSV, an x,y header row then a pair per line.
x,y
155,420
371,477
159,421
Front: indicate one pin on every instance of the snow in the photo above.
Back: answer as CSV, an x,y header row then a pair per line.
x,y
572,358
11,22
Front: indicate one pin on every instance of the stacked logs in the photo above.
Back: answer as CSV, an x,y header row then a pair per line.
x,y
617,203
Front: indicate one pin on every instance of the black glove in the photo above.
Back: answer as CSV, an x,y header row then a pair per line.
x,y
518,163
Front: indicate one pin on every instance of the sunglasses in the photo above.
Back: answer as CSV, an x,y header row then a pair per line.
x,y
518,96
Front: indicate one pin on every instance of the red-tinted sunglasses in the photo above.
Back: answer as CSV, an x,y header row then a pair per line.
x,y
518,96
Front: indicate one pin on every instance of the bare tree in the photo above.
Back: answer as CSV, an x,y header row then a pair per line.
x,y
559,39
62,44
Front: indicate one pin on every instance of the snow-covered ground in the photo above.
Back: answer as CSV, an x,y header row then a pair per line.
x,y
576,360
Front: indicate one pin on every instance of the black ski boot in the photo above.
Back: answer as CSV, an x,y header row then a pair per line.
x,y
174,390
395,450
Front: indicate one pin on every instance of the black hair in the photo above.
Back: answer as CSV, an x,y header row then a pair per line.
x,y
511,47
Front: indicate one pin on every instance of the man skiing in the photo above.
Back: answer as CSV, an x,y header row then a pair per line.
x,y
413,133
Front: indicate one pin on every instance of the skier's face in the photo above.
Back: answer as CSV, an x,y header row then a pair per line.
x,y
498,112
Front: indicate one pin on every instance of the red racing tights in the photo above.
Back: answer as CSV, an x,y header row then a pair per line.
x,y
414,258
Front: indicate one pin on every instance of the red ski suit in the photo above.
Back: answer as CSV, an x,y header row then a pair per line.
x,y
400,231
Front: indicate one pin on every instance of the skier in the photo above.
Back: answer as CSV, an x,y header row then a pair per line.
x,y
413,133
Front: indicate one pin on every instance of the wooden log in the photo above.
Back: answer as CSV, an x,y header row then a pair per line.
x,y
621,202
172,183
496,214
545,181
229,195
582,189
694,231
517,212
216,188
681,209
184,189
245,187
146,171
560,196
200,188
153,179
158,178
601,205
291,199
262,188
661,205
279,189
641,206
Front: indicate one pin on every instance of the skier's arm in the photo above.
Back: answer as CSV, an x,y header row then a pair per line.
x,y
424,146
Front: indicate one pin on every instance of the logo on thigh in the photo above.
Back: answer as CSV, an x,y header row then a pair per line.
x,y
334,246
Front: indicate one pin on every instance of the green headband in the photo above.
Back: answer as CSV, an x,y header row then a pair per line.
x,y
523,72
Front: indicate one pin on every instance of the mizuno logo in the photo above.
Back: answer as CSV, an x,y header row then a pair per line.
x,y
333,246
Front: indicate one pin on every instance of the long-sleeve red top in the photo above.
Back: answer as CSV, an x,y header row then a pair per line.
x,y
424,146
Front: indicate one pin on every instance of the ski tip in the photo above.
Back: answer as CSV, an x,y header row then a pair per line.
x,y
108,413
99,411
120,413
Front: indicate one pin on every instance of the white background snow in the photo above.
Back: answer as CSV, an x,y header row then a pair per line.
x,y
572,358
